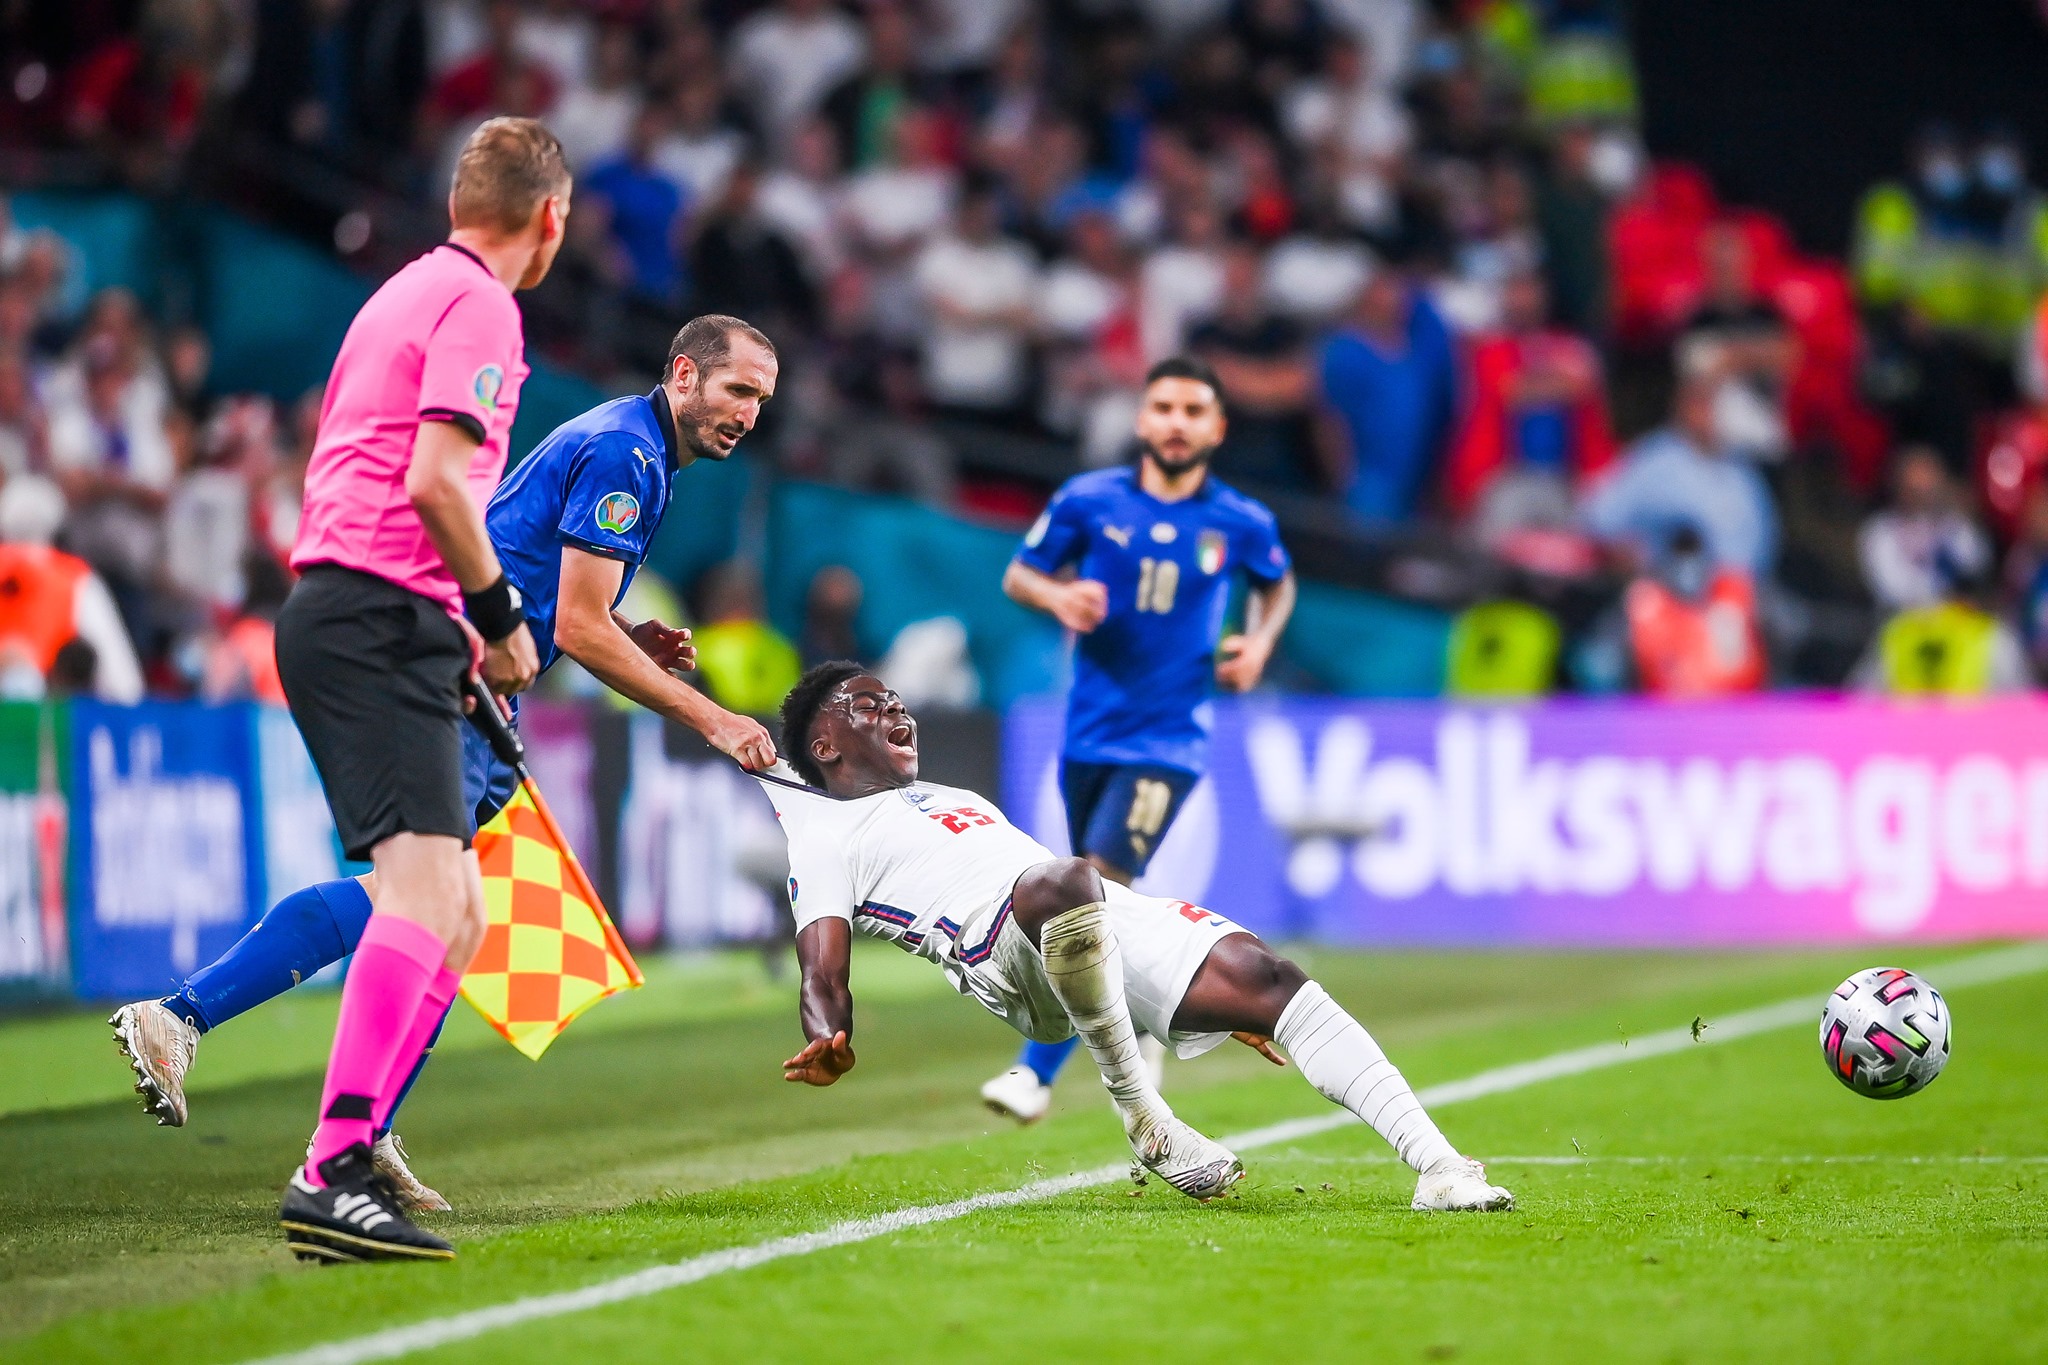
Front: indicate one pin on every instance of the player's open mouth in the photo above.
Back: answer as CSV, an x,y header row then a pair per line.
x,y
903,736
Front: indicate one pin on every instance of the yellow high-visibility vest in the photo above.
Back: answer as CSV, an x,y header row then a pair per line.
x,y
1943,650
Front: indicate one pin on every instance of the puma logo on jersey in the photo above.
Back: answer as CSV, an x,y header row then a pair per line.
x,y
1120,534
645,458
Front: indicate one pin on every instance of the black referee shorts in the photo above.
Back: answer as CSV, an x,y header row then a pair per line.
x,y
374,676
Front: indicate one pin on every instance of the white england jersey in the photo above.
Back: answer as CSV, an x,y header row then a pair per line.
x,y
910,865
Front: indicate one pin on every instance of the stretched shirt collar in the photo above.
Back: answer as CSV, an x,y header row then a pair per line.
x,y
665,418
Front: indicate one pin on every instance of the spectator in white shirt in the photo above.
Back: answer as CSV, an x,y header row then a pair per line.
x,y
107,423
1317,273
978,287
1087,312
786,58
1181,281
595,118
559,36
455,33
965,35
801,198
1352,118
206,522
1389,25
701,146
898,204
1908,549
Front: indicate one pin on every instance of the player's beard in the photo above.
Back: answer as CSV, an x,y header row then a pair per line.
x,y
1173,469
697,429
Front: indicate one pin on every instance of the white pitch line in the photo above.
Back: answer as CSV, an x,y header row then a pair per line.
x,y
420,1336
1757,1159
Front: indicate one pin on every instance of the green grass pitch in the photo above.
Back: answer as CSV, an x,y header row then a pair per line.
x,y
1729,1202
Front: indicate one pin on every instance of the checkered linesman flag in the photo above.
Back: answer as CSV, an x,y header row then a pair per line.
x,y
549,952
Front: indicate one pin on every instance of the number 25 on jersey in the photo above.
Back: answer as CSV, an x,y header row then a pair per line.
x,y
961,820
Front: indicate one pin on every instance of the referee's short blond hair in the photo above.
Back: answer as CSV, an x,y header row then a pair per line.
x,y
507,168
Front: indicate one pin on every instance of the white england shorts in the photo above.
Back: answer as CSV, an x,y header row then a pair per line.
x,y
1163,944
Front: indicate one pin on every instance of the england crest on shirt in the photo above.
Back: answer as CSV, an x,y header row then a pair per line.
x,y
1210,549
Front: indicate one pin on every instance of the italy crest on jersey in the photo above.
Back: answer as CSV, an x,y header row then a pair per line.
x,y
1210,548
617,512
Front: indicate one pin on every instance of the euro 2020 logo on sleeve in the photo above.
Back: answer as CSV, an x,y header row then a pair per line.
x,y
487,385
618,512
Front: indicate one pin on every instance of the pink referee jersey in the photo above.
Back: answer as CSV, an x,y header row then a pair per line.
x,y
440,341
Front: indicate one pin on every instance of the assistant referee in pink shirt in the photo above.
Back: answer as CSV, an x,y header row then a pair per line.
x,y
398,582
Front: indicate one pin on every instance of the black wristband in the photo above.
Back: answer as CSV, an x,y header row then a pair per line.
x,y
495,611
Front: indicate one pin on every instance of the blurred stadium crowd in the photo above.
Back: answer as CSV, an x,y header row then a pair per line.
x,y
1480,349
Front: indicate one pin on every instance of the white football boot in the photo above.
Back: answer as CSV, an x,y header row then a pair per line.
x,y
1458,1185
159,1047
414,1194
1018,1094
1199,1167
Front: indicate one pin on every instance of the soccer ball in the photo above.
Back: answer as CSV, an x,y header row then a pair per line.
x,y
1884,1033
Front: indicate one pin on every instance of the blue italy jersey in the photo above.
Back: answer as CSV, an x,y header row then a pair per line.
x,y
599,482
1142,679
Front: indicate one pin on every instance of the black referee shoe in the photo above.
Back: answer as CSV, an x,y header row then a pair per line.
x,y
355,1218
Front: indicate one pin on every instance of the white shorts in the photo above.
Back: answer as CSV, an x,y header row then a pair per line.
x,y
1163,944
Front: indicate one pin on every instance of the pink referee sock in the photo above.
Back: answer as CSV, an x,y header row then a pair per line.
x,y
394,967
440,995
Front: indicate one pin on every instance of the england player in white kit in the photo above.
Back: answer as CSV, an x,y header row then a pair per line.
x,y
1047,945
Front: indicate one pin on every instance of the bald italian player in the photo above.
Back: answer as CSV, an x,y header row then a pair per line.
x,y
401,600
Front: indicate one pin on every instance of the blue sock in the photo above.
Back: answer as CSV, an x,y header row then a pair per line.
x,y
1047,1058
391,1118
302,933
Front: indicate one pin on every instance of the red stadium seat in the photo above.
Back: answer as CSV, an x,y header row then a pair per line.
x,y
2012,454
1655,240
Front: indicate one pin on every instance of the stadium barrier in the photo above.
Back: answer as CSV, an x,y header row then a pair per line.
x,y
137,843
1601,823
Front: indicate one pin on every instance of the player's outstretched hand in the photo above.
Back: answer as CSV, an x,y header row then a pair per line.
x,y
1081,605
511,664
1243,662
1261,1045
746,742
823,1061
668,646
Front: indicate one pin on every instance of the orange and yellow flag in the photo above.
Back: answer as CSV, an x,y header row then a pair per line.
x,y
550,951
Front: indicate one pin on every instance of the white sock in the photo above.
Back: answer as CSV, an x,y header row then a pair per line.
x,y
1154,1054
1338,1057
1087,975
